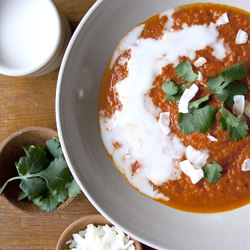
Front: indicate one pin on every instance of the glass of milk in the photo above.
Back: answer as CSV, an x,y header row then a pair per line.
x,y
33,37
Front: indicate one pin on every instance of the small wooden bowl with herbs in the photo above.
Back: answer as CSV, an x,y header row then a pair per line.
x,y
35,177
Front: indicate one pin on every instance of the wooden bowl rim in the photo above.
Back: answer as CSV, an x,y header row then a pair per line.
x,y
3,145
96,219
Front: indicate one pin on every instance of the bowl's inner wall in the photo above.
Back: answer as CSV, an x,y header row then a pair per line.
x,y
77,116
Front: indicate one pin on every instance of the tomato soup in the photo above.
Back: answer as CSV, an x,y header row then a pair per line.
x,y
189,155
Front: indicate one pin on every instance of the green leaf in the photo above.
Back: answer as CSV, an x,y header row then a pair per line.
x,y
73,189
196,104
54,147
33,187
186,123
200,120
238,133
234,88
22,196
230,119
46,203
212,172
237,129
226,85
34,162
57,175
214,83
169,87
185,71
236,72
204,118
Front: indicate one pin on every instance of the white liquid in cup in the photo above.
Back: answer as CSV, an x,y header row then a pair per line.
x,y
30,33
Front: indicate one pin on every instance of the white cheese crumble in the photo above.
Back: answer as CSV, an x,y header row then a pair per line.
x,y
246,165
186,97
101,238
188,169
200,76
192,167
239,104
164,122
211,138
247,109
241,37
223,19
200,61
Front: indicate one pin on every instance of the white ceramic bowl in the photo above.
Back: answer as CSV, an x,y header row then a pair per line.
x,y
77,118
33,37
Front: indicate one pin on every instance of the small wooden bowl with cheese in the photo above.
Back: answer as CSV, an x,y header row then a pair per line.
x,y
92,224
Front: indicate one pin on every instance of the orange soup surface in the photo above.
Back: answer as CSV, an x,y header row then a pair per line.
x,y
189,156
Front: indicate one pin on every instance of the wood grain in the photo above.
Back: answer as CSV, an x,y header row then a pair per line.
x,y
26,102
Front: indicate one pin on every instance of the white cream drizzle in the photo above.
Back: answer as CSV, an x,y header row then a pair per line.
x,y
136,126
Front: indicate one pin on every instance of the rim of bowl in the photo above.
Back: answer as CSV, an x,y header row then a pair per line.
x,y
32,69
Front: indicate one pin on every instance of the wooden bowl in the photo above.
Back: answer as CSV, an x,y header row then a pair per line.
x,y
10,152
81,224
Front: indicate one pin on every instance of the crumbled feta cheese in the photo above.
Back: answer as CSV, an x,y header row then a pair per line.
x,y
192,167
189,170
246,165
186,97
200,61
101,237
164,122
239,104
200,76
211,138
247,109
241,37
223,19
192,154
196,157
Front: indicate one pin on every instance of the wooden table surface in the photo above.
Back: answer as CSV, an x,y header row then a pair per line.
x,y
28,102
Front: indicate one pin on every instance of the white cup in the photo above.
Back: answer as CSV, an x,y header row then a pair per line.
x,y
33,37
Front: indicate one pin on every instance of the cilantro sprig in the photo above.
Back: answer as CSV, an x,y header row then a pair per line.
x,y
212,172
227,84
45,177
201,116
172,90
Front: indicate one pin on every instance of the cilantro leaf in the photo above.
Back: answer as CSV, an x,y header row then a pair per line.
x,y
237,129
200,120
212,172
45,181
185,71
33,186
34,162
204,118
186,123
54,147
197,103
214,83
57,174
46,203
234,88
236,72
230,119
73,189
226,85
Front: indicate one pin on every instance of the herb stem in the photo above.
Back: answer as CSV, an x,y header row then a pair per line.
x,y
11,179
